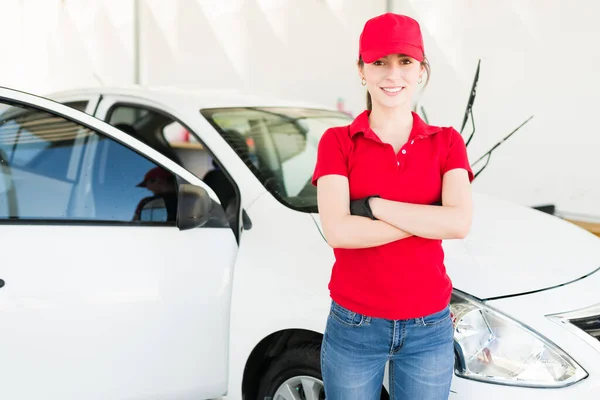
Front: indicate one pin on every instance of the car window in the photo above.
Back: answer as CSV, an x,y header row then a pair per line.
x,y
179,136
168,136
52,168
163,133
78,105
279,145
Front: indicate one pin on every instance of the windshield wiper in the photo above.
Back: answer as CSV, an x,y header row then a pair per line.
x,y
488,153
469,110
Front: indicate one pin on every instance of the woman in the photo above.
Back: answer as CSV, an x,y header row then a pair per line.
x,y
380,181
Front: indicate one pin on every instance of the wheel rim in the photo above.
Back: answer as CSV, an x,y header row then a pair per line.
x,y
300,388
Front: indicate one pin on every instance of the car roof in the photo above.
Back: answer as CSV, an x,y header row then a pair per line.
x,y
200,98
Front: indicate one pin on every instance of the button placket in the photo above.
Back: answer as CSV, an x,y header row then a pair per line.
x,y
403,152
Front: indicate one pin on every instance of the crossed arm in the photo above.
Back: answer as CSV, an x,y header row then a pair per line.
x,y
395,220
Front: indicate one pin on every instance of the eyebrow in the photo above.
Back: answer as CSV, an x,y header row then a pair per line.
x,y
398,56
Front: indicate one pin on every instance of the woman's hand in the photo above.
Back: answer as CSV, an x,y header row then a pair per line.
x,y
362,208
451,221
343,230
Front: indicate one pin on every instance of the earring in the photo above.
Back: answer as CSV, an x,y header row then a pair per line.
x,y
420,80
363,82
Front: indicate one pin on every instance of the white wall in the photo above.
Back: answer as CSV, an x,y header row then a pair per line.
x,y
538,58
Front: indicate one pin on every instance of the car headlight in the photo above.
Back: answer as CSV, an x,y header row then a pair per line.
x,y
494,348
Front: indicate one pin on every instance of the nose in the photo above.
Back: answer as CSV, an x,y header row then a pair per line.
x,y
395,71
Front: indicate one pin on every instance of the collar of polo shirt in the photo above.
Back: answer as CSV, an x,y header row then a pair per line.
x,y
419,129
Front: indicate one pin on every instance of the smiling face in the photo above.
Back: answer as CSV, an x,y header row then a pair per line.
x,y
392,80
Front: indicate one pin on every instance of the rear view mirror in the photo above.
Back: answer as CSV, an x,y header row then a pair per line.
x,y
194,207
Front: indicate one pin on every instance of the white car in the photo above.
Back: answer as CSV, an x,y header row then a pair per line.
x,y
181,257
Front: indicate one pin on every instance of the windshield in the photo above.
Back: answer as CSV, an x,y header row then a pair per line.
x,y
279,145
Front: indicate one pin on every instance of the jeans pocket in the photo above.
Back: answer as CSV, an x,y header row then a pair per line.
x,y
437,318
347,317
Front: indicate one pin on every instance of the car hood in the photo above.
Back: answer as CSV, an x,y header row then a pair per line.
x,y
513,249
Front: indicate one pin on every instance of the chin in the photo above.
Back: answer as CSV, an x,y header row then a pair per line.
x,y
393,102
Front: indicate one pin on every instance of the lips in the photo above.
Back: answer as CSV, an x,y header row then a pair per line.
x,y
392,90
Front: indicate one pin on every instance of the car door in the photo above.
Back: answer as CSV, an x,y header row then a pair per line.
x,y
104,297
153,123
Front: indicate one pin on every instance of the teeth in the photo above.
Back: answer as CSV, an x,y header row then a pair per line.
x,y
390,90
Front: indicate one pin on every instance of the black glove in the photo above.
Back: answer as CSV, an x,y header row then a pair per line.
x,y
361,207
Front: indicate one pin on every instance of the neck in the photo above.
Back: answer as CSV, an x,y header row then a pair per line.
x,y
385,119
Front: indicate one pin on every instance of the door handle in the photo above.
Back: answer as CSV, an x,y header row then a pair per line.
x,y
1,283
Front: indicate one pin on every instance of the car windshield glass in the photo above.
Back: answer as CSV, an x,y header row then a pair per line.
x,y
279,145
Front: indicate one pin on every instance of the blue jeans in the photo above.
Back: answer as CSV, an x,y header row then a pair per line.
x,y
356,349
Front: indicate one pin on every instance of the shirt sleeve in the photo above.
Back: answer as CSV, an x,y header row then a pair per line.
x,y
457,155
330,157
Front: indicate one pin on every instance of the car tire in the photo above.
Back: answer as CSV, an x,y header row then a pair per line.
x,y
295,362
294,367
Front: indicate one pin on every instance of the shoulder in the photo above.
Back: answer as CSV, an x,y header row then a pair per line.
x,y
336,137
448,135
438,133
341,133
442,131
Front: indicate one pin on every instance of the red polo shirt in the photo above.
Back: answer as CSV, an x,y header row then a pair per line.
x,y
406,278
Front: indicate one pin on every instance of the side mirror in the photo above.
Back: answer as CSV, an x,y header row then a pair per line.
x,y
194,207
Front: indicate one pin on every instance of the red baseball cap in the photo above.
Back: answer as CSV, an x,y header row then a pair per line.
x,y
391,33
156,173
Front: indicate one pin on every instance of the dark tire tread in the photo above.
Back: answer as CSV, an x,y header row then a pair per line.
x,y
304,359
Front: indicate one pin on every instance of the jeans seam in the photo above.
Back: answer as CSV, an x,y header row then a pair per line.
x,y
364,320
341,321
438,322
392,383
393,341
323,349
403,336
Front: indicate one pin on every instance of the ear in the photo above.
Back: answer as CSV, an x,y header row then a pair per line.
x,y
361,73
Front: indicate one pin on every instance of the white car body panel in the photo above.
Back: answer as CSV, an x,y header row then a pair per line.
x,y
114,311
514,249
118,323
283,264
280,281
